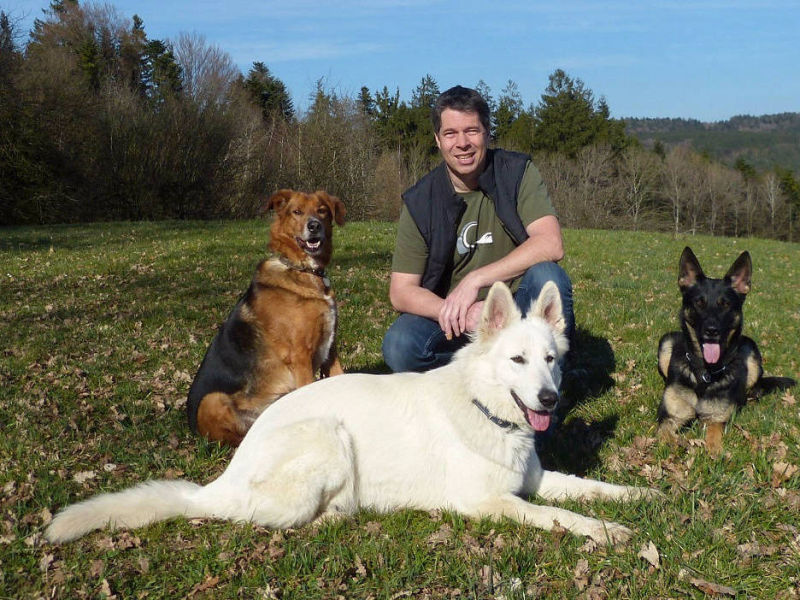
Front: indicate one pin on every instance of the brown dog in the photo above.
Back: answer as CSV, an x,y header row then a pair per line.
x,y
282,330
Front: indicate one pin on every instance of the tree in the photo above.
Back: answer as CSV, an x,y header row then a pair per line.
x,y
268,93
567,118
425,94
161,73
486,93
208,73
366,103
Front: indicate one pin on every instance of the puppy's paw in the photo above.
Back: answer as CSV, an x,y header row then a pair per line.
x,y
667,434
714,439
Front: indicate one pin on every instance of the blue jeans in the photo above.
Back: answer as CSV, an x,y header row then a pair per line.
x,y
415,343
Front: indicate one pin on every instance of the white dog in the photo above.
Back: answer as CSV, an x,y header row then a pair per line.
x,y
459,437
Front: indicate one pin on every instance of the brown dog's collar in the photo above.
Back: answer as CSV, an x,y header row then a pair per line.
x,y
318,271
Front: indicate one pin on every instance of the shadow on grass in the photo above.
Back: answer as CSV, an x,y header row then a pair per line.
x,y
573,446
589,373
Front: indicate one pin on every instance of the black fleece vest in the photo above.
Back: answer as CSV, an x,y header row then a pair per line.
x,y
437,209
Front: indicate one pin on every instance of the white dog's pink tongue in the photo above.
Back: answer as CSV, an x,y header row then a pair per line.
x,y
539,420
711,353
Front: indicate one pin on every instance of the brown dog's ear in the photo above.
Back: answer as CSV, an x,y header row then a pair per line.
x,y
277,200
689,271
336,206
740,272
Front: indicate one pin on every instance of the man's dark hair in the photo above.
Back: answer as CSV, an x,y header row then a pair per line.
x,y
461,99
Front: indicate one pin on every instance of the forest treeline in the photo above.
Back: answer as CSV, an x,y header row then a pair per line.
x,y
764,141
98,121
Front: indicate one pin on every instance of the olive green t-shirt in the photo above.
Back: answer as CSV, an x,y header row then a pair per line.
x,y
481,237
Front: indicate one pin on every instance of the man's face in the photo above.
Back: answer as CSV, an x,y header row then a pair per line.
x,y
463,141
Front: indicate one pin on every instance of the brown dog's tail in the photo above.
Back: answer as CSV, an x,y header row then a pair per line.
x,y
767,385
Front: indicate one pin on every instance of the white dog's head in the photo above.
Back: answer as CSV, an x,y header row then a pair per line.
x,y
513,363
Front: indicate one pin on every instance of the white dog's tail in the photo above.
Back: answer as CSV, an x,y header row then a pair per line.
x,y
146,503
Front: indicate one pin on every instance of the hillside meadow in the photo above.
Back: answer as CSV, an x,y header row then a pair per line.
x,y
104,325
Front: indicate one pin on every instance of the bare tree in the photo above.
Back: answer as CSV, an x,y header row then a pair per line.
x,y
208,71
639,172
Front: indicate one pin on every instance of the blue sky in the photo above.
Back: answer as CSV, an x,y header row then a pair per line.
x,y
702,59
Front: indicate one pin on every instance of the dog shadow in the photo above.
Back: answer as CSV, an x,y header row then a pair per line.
x,y
573,447
588,369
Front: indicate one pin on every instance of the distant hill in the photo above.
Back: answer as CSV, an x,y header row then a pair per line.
x,y
765,142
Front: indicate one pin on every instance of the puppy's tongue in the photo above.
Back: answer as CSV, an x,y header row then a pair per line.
x,y
538,419
711,353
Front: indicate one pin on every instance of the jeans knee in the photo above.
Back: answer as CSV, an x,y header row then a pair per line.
x,y
394,350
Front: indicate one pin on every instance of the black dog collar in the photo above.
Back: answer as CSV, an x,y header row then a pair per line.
x,y
502,423
319,271
698,366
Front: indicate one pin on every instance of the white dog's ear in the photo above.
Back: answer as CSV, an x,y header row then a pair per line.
x,y
547,306
499,310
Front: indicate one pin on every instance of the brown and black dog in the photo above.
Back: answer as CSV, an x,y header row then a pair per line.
x,y
709,367
282,331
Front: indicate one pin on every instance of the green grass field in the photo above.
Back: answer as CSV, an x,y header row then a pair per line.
x,y
103,327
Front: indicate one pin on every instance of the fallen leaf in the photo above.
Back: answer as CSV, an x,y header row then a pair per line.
x,y
442,536
649,552
96,568
45,561
84,476
105,589
782,471
712,589
361,570
581,574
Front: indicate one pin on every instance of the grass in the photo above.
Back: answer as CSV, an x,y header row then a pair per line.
x,y
103,327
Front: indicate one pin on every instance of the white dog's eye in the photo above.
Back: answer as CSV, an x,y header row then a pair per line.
x,y
519,359
549,358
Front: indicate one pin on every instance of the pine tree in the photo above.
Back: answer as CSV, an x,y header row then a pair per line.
x,y
268,92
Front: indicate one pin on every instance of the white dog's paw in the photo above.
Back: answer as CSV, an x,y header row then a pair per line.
x,y
643,493
609,533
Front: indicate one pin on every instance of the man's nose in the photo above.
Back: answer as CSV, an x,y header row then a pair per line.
x,y
462,140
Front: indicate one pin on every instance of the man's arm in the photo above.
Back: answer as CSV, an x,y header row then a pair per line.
x,y
544,243
407,295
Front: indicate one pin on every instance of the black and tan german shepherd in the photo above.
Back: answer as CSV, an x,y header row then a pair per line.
x,y
709,367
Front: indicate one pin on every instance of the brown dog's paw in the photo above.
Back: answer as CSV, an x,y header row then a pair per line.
x,y
714,439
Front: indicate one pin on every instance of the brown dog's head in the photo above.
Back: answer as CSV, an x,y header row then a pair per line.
x,y
303,227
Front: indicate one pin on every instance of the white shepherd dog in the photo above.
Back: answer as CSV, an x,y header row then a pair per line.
x,y
459,437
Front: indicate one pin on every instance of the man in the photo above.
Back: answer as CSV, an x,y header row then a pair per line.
x,y
481,216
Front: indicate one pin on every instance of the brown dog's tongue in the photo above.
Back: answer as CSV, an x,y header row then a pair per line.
x,y
711,353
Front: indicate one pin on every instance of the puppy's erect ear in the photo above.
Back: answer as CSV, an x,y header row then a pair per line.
x,y
277,200
335,205
499,311
547,306
689,271
740,272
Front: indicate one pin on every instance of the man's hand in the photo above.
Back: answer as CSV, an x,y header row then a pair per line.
x,y
474,316
453,314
